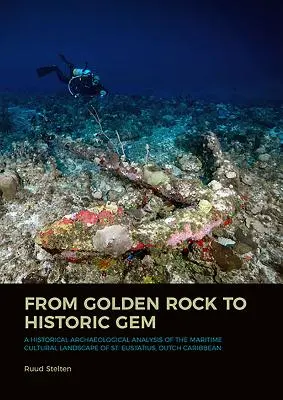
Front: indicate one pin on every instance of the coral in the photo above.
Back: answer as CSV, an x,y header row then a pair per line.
x,y
73,231
87,217
189,163
187,233
204,206
154,176
83,231
113,240
224,170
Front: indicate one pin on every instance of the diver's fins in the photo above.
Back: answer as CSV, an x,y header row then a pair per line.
x,y
42,71
63,58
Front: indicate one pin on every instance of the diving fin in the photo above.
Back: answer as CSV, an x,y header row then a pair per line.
x,y
43,71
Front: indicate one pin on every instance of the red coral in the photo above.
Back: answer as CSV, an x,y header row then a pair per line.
x,y
65,221
88,217
141,246
120,211
138,246
46,233
106,217
179,237
228,221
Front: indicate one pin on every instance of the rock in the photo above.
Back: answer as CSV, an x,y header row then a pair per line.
x,y
242,248
245,238
247,180
97,195
137,213
113,240
248,221
154,176
258,226
261,150
34,278
174,170
230,174
189,163
215,185
148,261
256,208
264,157
113,195
154,205
9,184
2,166
41,254
225,257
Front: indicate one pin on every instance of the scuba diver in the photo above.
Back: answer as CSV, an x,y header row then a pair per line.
x,y
81,81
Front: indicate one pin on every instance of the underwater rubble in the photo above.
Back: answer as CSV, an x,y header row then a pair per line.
x,y
140,190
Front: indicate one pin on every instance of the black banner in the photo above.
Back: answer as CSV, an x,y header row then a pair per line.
x,y
59,332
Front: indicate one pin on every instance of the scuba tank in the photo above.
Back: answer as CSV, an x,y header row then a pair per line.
x,y
77,72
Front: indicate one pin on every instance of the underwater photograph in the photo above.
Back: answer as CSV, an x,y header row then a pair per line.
x,y
141,142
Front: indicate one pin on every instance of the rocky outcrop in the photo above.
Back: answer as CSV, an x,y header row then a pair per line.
x,y
9,184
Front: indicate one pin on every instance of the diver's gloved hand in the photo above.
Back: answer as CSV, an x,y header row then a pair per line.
x,y
103,93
